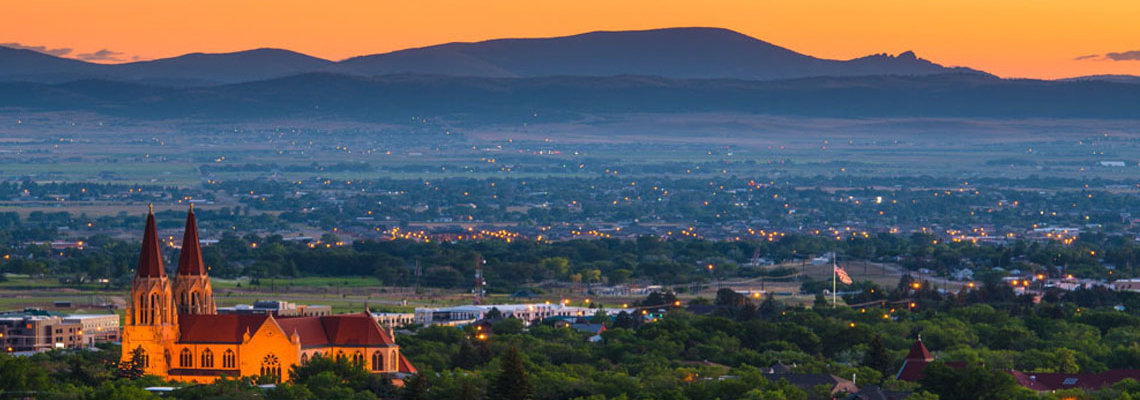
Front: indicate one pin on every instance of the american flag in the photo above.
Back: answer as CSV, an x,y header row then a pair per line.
x,y
843,277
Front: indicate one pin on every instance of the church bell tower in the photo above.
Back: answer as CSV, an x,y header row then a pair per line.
x,y
151,320
192,291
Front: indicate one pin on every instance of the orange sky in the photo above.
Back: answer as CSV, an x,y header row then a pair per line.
x,y
1012,38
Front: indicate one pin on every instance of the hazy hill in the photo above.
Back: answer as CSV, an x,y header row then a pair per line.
x,y
186,70
672,53
1106,78
502,100
242,66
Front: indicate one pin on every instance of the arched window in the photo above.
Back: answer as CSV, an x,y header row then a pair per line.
x,y
143,309
339,355
394,361
166,357
377,361
185,358
144,358
304,359
207,359
194,302
229,361
270,366
153,318
358,359
182,303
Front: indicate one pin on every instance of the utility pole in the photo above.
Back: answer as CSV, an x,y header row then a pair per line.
x,y
419,272
479,282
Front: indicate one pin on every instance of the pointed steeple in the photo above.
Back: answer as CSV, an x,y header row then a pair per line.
x,y
918,352
150,259
190,262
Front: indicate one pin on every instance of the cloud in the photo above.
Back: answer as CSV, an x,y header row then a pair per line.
x,y
1133,55
101,55
60,52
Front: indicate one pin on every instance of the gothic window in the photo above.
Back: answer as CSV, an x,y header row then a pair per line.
x,y
207,359
339,355
229,360
357,358
144,358
394,360
305,358
185,358
153,318
377,361
194,302
270,366
143,309
166,357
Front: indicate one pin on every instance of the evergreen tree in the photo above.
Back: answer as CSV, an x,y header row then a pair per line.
x,y
512,383
467,358
876,357
133,369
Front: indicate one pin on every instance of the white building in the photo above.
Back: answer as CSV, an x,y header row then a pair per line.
x,y
463,315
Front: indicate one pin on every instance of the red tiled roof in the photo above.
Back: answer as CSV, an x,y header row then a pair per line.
x,y
1058,380
911,370
918,351
341,330
406,366
226,328
150,258
190,262
308,328
355,329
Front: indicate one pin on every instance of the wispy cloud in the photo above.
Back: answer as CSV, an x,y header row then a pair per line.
x,y
101,55
60,52
1133,55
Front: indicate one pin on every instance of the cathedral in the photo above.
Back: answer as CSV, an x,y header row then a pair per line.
x,y
175,324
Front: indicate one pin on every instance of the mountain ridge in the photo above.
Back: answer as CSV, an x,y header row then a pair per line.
x,y
687,53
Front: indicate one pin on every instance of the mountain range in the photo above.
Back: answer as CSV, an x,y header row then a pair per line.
x,y
680,70
684,53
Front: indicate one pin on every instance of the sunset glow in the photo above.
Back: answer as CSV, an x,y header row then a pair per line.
x,y
1013,38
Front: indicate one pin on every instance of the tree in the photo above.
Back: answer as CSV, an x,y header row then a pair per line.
x,y
133,368
416,388
600,317
624,320
876,356
974,382
512,382
467,358
493,314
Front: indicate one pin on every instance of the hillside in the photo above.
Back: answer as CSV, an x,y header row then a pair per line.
x,y
395,97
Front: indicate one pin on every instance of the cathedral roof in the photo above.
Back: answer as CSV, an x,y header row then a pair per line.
x,y
150,259
406,366
340,330
211,328
190,262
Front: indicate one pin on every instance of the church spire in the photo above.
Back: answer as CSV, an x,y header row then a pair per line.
x,y
150,259
190,262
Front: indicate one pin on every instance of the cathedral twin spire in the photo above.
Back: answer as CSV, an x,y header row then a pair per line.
x,y
191,292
